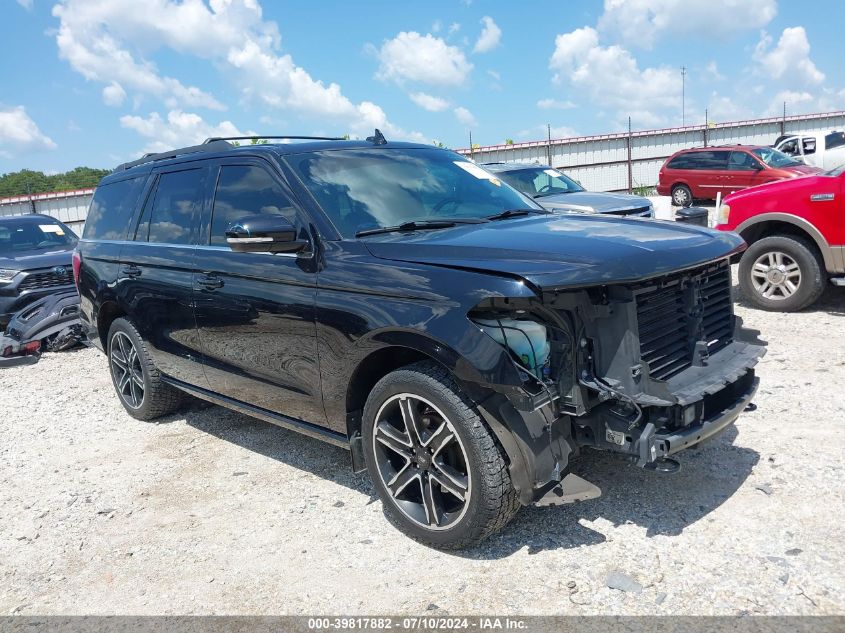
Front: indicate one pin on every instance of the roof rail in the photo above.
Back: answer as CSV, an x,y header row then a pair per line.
x,y
211,145
256,137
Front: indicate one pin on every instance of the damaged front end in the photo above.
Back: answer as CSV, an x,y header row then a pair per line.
x,y
644,370
50,324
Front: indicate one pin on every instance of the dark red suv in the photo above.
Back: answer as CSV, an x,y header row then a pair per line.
x,y
702,172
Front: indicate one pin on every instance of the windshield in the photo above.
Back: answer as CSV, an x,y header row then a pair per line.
x,y
369,188
18,236
775,158
540,181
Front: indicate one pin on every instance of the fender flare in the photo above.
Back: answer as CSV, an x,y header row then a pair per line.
x,y
830,262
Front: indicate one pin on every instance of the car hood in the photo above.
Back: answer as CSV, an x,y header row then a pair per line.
x,y
562,251
29,260
802,170
599,202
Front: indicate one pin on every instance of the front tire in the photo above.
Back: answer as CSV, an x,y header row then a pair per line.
x,y
781,274
440,474
135,377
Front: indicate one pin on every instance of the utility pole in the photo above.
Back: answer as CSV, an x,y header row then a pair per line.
x,y
549,146
683,95
470,146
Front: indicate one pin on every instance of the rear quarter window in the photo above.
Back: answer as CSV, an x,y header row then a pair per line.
x,y
111,209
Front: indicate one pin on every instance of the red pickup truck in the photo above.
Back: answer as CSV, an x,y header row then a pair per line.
x,y
796,235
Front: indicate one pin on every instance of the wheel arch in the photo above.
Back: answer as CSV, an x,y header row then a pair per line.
x,y
400,349
756,228
106,315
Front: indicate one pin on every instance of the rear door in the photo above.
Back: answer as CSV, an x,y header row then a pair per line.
x,y
255,311
710,168
155,275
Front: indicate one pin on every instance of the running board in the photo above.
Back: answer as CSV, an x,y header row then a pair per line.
x,y
570,490
306,428
837,281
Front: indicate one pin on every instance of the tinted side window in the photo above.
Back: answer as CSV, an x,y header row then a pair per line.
x,y
834,139
244,190
742,161
679,162
111,209
171,213
708,160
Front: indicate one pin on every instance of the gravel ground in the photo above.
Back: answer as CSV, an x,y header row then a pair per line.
x,y
209,511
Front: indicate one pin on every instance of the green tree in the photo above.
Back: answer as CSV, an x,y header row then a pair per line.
x,y
508,141
28,181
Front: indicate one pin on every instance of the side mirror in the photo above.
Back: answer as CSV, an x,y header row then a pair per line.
x,y
264,234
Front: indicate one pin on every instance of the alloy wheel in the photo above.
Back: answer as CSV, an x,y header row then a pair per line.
x,y
126,370
421,461
775,275
680,197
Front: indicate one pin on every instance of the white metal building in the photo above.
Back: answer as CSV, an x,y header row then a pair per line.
x,y
71,207
626,160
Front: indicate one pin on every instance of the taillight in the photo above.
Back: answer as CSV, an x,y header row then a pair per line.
x,y
77,267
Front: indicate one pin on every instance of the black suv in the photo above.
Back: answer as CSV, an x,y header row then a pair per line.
x,y
35,261
399,301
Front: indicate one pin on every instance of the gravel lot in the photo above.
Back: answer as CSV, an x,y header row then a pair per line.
x,y
210,511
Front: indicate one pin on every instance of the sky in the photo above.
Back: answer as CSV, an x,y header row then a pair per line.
x,y
97,83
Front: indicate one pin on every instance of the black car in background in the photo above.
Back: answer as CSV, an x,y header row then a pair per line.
x,y
399,301
35,261
558,192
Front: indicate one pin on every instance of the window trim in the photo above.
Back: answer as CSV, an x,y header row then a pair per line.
x,y
217,165
149,197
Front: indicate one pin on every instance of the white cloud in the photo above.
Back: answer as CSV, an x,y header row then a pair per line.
x,y
554,104
93,38
114,94
610,75
26,4
712,70
465,117
178,130
790,59
429,102
490,36
454,27
639,22
20,133
796,102
422,58
277,82
437,26
105,42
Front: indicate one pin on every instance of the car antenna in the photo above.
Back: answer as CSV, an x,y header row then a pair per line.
x,y
377,138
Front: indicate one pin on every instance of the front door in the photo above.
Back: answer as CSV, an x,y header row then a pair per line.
x,y
743,171
255,311
156,271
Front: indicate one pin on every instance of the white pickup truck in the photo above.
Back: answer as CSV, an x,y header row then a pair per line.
x,y
820,149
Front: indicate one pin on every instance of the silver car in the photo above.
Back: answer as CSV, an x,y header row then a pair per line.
x,y
558,192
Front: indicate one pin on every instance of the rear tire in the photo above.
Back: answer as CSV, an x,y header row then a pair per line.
x,y
442,478
136,379
781,274
681,196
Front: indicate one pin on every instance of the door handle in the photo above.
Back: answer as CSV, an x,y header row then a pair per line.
x,y
131,270
209,282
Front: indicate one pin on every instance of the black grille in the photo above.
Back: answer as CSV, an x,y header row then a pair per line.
x,y
47,279
637,211
680,310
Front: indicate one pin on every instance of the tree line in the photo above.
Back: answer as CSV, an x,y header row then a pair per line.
x,y
26,181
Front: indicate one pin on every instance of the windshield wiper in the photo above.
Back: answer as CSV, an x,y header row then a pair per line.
x,y
513,213
419,225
